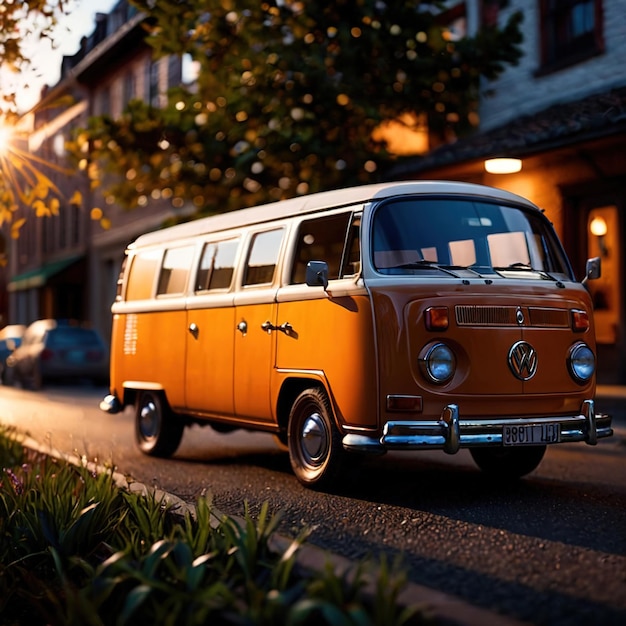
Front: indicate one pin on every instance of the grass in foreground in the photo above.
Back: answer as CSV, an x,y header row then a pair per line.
x,y
75,549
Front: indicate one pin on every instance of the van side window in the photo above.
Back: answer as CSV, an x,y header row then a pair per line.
x,y
321,239
141,277
174,271
351,264
263,257
217,265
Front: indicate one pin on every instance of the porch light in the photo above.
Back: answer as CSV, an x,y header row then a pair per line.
x,y
502,165
598,226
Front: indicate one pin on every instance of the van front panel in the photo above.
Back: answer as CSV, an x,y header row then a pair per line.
x,y
485,383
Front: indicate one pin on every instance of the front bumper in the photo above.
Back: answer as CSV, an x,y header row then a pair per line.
x,y
450,433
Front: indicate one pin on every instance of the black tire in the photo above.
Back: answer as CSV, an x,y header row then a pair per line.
x,y
158,431
315,449
508,463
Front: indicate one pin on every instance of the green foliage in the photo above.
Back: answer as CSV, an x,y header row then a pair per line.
x,y
75,550
288,97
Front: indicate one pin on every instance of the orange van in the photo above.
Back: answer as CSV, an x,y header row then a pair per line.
x,y
398,316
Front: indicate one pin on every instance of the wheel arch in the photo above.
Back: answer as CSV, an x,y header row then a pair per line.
x,y
290,389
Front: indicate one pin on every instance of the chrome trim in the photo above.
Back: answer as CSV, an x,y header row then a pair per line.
x,y
450,433
522,360
110,404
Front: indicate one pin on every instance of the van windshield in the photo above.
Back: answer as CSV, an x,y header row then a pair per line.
x,y
452,236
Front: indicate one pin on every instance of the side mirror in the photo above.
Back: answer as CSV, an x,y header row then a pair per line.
x,y
593,269
317,274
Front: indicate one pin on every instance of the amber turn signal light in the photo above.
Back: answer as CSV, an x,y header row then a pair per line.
x,y
437,318
580,320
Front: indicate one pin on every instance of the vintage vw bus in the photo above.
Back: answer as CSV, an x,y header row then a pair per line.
x,y
399,316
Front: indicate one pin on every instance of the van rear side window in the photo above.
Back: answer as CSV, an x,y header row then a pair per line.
x,y
263,257
141,277
175,270
217,265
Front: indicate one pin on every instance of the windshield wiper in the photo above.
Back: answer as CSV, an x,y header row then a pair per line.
x,y
428,265
524,267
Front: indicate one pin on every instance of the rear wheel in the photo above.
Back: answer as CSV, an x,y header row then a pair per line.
x,y
315,448
508,463
158,432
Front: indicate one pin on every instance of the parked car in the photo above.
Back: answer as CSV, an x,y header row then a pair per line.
x,y
10,339
54,350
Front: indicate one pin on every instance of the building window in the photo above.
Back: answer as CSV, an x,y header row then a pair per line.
x,y
130,87
571,32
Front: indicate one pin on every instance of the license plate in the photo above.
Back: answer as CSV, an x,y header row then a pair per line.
x,y
533,434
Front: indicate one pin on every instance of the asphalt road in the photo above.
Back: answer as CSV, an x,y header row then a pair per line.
x,y
550,549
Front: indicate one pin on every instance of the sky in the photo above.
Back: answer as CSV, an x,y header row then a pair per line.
x,y
46,61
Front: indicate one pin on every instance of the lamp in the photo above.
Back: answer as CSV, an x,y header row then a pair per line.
x,y
598,228
503,165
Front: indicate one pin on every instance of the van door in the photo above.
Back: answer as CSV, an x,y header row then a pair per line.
x,y
210,325
255,339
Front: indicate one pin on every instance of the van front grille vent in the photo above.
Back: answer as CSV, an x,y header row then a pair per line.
x,y
479,315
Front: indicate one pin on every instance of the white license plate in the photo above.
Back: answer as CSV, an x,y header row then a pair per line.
x,y
533,434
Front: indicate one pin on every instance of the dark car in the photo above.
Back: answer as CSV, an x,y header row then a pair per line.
x,y
55,350
10,339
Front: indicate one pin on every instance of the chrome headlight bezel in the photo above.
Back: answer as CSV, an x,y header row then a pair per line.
x,y
581,362
437,362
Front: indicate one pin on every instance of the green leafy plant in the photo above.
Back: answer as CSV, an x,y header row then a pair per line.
x,y
77,550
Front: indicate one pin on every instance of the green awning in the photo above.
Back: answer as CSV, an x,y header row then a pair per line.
x,y
38,277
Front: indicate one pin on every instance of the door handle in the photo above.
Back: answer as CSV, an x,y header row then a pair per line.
x,y
268,327
242,327
194,330
285,327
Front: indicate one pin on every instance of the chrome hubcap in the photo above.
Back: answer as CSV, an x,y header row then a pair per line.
x,y
314,438
149,419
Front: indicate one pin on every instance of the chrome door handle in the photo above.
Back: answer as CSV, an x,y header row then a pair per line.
x,y
194,330
242,327
285,327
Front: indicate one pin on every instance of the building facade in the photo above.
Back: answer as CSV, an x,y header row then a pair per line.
x,y
65,264
561,114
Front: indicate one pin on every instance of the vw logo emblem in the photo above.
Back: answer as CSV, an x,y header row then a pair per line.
x,y
523,360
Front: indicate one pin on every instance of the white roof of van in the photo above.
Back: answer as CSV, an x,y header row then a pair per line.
x,y
320,201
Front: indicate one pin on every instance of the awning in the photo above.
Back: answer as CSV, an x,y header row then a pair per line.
x,y
38,277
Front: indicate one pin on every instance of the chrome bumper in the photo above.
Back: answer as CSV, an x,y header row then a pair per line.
x,y
110,404
450,433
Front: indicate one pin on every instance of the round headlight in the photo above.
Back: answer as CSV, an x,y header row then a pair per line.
x,y
438,363
582,362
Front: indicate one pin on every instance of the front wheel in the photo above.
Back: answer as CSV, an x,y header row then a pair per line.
x,y
508,463
315,448
157,430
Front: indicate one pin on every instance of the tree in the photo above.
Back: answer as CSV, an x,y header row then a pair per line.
x,y
288,95
21,177
21,21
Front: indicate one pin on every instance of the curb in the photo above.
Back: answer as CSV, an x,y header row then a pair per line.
x,y
445,609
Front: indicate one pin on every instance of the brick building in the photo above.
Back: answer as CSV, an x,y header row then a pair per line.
x,y
66,265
